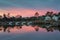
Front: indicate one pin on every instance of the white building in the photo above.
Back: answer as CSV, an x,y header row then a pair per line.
x,y
55,18
47,18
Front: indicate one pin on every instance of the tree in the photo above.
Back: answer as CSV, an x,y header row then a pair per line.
x,y
36,14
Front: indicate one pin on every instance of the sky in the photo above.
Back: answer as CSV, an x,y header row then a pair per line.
x,y
28,7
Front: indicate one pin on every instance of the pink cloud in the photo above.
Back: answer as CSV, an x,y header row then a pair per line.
x,y
25,11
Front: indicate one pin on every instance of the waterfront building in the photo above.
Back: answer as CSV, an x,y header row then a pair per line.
x,y
55,17
47,16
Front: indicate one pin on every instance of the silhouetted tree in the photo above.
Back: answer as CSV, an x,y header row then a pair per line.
x,y
36,14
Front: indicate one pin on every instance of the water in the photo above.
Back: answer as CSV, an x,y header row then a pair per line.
x,y
28,33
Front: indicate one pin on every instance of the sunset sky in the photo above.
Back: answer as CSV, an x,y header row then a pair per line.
x,y
28,7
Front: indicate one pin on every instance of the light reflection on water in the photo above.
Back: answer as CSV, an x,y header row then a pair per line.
x,y
28,28
28,33
22,29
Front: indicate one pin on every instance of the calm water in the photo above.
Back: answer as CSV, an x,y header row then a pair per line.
x,y
28,33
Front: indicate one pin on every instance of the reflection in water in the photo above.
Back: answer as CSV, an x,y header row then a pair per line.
x,y
7,28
